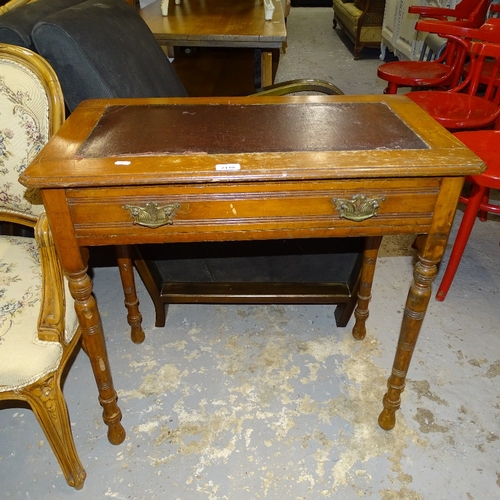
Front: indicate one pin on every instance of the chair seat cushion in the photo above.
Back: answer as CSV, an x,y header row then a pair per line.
x,y
103,49
17,24
23,357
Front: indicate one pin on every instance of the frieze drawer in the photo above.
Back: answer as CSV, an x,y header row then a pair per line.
x,y
405,205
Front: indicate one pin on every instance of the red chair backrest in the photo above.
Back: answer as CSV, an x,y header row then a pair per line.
x,y
455,55
457,46
482,53
467,7
478,15
488,32
469,13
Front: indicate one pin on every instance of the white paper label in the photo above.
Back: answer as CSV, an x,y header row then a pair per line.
x,y
231,167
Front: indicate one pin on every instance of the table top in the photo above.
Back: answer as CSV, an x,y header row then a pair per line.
x,y
218,23
192,140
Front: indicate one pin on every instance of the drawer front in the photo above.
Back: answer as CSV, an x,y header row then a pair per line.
x,y
191,212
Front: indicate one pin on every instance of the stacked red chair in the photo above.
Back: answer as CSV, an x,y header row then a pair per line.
x,y
445,71
474,102
466,102
468,13
486,144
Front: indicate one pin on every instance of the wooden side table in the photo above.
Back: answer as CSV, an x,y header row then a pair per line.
x,y
240,169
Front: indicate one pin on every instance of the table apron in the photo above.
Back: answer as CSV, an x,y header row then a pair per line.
x,y
276,210
194,42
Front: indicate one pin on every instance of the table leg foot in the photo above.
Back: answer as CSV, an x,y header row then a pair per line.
x,y
359,328
391,402
116,432
387,419
372,245
134,317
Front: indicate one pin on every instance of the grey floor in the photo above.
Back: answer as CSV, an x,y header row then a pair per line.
x,y
249,402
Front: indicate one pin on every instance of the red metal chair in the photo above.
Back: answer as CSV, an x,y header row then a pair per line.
x,y
445,71
486,144
473,104
468,13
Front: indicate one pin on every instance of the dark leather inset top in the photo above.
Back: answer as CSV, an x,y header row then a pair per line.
x,y
255,128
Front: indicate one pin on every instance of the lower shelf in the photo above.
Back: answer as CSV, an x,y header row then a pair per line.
x,y
309,271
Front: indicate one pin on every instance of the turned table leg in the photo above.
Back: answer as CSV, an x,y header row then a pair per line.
x,y
134,317
80,286
416,305
372,245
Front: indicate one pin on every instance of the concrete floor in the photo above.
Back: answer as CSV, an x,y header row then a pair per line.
x,y
248,402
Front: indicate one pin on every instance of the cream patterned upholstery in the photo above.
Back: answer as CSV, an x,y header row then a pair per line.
x,y
38,324
21,290
23,132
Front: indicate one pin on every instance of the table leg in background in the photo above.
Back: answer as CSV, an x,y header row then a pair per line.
x,y
266,65
134,317
372,245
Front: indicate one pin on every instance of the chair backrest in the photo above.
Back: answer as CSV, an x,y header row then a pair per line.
x,y
18,22
487,32
478,15
485,60
103,49
466,6
31,110
470,13
453,52
432,47
459,37
456,53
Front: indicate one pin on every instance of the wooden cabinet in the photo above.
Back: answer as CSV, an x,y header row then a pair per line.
x,y
398,31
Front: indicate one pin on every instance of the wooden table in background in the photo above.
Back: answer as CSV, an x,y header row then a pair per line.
x,y
221,23
218,169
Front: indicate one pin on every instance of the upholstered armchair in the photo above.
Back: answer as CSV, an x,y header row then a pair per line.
x,y
38,324
361,21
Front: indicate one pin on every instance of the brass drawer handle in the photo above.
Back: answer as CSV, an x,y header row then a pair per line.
x,y
152,215
358,208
